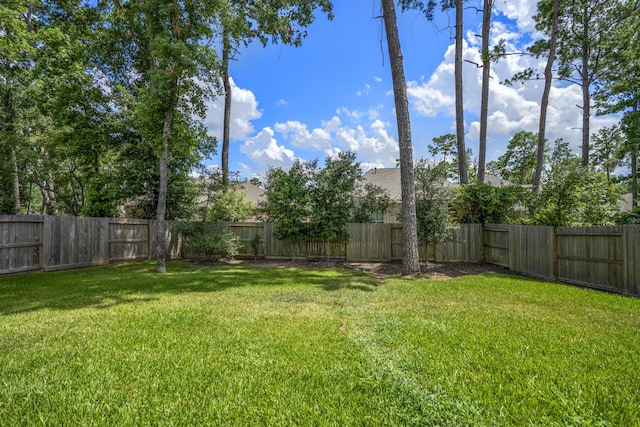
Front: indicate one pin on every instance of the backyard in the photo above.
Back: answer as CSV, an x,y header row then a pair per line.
x,y
249,345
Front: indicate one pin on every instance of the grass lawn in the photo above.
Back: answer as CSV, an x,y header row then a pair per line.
x,y
233,345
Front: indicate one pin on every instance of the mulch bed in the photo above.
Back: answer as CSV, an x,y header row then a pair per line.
x,y
431,270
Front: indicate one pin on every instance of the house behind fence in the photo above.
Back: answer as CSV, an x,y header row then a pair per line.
x,y
600,257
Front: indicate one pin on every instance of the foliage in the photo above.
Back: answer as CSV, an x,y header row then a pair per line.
x,y
446,146
371,201
486,204
331,197
608,145
255,242
518,163
288,202
194,346
208,241
433,192
229,205
631,218
574,195
306,202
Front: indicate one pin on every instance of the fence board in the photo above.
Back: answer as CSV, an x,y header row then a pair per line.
x,y
396,242
591,256
129,240
72,242
531,250
20,243
495,246
466,245
632,259
247,232
369,242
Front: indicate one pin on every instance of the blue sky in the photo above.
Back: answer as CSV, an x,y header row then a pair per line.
x,y
334,93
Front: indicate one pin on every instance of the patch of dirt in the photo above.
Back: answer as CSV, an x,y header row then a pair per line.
x,y
431,270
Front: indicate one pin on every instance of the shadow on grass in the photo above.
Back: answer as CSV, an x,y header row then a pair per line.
x,y
108,286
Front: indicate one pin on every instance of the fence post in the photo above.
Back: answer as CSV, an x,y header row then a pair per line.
x,y
555,255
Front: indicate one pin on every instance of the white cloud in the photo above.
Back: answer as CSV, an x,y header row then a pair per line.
x,y
522,11
375,146
317,139
281,102
372,144
511,108
244,109
365,91
264,150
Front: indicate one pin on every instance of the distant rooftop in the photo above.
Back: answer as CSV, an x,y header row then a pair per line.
x,y
389,180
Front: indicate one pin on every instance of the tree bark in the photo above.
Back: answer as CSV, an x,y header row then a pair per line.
x,y
634,178
634,166
16,180
544,102
484,99
462,152
586,82
161,255
227,109
410,257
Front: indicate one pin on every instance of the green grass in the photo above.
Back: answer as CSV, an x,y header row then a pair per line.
x,y
232,345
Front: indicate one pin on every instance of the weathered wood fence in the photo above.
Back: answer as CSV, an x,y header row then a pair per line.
x,y
34,242
600,257
605,257
368,243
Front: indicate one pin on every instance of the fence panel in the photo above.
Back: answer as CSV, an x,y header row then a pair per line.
x,y
632,259
73,242
369,242
396,242
129,240
466,245
495,246
275,248
591,256
531,250
248,232
21,240
173,249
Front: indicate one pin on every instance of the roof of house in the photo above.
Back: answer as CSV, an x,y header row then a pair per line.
x,y
255,194
389,180
626,203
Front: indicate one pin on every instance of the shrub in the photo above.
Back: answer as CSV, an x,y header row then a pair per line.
x,y
485,204
208,241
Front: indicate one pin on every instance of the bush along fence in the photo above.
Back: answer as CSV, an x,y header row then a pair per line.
x,y
599,257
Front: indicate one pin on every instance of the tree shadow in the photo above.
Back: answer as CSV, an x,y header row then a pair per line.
x,y
108,286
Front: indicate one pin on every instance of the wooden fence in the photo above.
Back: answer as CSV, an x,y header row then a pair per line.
x,y
369,243
599,257
33,242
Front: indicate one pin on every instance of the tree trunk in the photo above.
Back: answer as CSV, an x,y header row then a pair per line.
x,y
634,178
16,180
462,152
227,109
410,257
544,102
634,165
161,256
484,100
586,95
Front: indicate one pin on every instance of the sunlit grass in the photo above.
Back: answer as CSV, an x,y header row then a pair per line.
x,y
232,345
